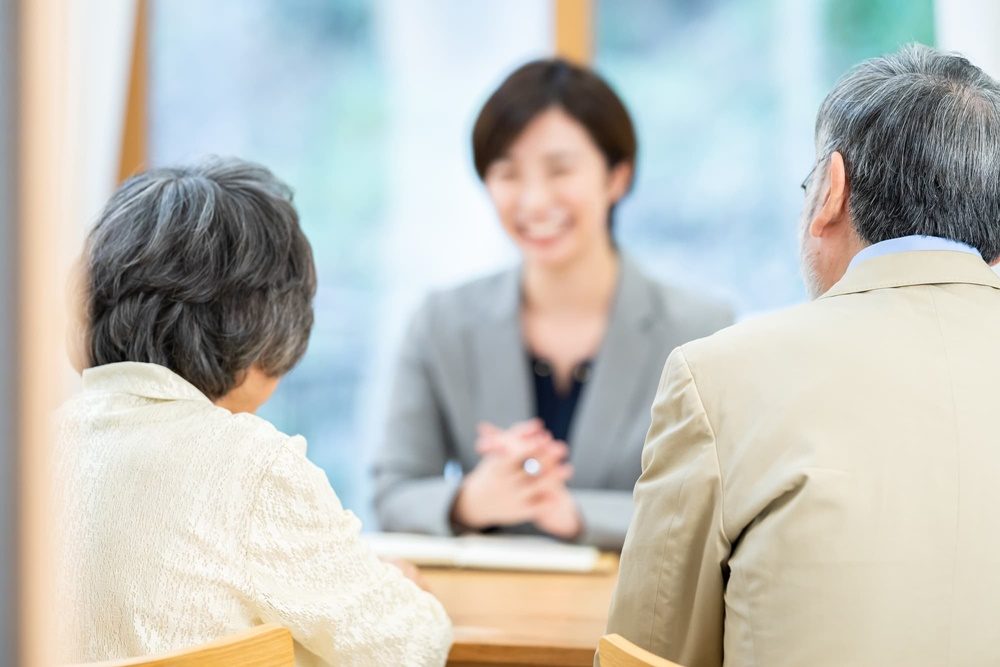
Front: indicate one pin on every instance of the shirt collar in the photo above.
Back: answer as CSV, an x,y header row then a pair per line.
x,y
902,269
910,244
139,379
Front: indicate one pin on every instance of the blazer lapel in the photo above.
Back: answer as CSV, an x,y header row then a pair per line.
x,y
604,405
504,391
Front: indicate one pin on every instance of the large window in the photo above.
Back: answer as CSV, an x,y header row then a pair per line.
x,y
725,94
365,109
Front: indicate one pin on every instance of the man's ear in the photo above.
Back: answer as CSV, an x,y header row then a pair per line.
x,y
832,212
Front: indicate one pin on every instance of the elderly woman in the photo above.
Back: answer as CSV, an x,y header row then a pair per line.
x,y
184,517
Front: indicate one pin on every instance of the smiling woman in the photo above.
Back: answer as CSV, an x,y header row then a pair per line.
x,y
554,222
537,381
555,124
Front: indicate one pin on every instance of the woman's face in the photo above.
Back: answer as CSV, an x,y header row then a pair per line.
x,y
552,190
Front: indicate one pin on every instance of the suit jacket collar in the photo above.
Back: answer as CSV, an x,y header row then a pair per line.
x,y
507,391
603,413
927,267
633,298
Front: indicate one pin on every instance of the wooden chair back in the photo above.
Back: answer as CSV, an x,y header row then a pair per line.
x,y
616,651
261,646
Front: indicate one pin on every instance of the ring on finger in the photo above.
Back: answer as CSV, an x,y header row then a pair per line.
x,y
532,466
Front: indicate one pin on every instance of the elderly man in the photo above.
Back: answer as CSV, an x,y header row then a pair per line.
x,y
821,486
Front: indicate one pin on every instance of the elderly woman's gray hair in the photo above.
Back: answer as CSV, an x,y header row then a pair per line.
x,y
920,134
203,270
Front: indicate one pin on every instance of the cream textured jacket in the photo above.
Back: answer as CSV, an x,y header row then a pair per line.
x,y
180,522
821,486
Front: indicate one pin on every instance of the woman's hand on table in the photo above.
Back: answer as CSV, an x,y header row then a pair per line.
x,y
522,478
528,442
557,514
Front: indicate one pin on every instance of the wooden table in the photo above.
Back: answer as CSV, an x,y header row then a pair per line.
x,y
522,618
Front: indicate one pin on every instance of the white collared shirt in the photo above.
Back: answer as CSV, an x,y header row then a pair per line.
x,y
910,244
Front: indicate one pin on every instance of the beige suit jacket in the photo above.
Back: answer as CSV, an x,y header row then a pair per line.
x,y
821,486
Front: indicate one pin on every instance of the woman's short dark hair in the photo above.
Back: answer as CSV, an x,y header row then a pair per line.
x,y
540,85
203,270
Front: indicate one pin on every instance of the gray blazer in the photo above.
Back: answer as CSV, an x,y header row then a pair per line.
x,y
463,361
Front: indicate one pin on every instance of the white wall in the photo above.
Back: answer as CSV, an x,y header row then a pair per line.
x,y
101,35
443,58
99,67
972,28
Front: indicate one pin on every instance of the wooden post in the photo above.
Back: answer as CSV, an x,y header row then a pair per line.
x,y
574,23
47,208
135,129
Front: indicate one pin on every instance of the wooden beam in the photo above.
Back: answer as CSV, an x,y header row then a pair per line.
x,y
47,209
135,129
574,24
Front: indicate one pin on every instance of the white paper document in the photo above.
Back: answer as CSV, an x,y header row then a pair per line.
x,y
486,552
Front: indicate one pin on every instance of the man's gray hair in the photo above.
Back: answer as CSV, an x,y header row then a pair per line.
x,y
203,270
920,134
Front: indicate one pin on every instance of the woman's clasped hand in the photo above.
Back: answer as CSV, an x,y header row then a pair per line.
x,y
521,479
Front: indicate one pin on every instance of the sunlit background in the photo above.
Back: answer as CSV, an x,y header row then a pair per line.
x,y
365,108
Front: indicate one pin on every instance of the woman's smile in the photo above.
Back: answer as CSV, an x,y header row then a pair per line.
x,y
546,230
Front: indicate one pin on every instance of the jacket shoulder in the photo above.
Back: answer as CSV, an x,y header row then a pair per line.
x,y
785,332
697,313
460,306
